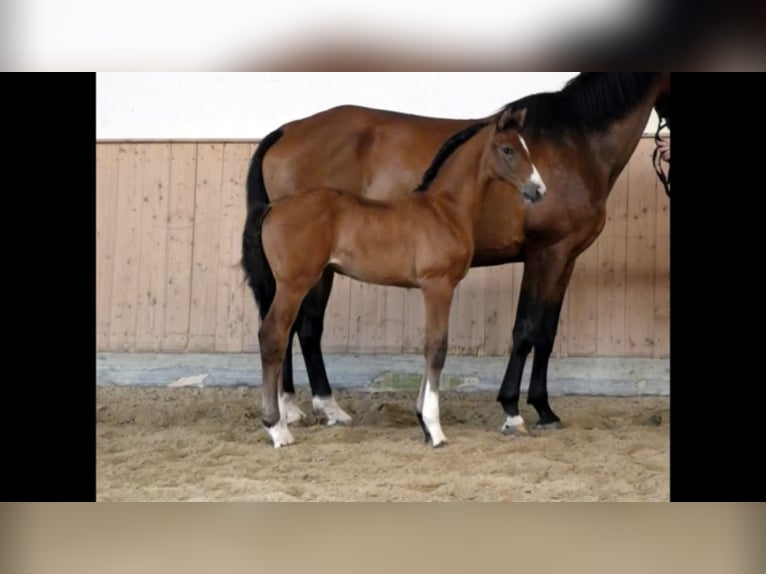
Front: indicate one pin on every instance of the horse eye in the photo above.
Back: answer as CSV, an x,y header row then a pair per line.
x,y
507,150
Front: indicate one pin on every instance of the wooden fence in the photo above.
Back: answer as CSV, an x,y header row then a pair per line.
x,y
169,222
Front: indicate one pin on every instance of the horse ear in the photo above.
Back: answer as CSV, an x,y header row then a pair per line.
x,y
511,118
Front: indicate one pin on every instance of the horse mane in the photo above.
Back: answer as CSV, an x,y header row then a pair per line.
x,y
446,150
589,102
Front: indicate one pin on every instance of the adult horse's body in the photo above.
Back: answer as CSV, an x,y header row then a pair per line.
x,y
423,240
580,139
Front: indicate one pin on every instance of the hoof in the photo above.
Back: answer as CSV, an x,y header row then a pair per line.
x,y
438,439
280,435
515,426
280,445
328,408
338,423
292,412
554,425
295,416
423,426
516,431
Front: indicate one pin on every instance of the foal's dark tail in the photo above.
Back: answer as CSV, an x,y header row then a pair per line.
x,y
257,269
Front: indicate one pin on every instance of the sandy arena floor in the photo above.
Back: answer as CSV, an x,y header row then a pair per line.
x,y
162,444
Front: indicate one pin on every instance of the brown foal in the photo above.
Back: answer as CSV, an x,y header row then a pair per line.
x,y
423,240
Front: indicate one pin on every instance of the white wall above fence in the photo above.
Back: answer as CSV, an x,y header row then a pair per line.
x,y
197,106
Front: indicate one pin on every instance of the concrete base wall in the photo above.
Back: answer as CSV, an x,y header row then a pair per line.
x,y
575,376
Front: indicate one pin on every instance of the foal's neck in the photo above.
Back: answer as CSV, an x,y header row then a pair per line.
x,y
461,181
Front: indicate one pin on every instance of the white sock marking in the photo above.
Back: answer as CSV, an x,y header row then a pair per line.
x,y
512,422
431,415
289,409
280,434
331,410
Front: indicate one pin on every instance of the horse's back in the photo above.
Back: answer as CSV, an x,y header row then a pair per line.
x,y
376,153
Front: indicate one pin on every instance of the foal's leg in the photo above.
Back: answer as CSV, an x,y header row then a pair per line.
x,y
273,336
263,286
437,296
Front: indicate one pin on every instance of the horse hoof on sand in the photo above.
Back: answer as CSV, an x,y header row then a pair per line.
x,y
516,431
439,441
555,425
339,422
331,411
295,416
280,445
293,413
284,440
280,435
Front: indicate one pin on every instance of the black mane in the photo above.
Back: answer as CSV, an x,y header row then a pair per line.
x,y
590,102
446,150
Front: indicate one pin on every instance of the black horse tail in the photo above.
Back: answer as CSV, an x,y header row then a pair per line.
x,y
256,188
254,262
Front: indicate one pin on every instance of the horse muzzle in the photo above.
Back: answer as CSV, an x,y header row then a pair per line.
x,y
533,191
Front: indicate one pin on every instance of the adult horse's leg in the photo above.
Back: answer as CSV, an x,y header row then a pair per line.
x,y
292,411
538,383
546,276
310,335
437,296
310,329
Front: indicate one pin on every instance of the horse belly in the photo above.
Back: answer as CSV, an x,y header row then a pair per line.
x,y
376,262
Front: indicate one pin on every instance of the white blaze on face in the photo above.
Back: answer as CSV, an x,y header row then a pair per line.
x,y
535,178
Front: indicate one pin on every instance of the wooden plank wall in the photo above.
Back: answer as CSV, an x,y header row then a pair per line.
x,y
169,223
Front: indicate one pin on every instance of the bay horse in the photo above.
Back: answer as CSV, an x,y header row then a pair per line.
x,y
580,138
423,240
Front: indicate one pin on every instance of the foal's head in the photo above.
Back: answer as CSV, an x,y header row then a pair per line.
x,y
509,157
